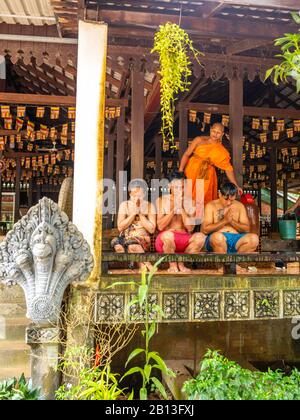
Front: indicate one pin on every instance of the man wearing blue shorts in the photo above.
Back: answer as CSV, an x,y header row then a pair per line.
x,y
226,224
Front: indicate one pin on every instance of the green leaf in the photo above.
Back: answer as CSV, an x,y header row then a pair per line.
x,y
132,371
268,73
133,354
147,371
121,283
151,331
158,309
298,85
133,301
143,290
143,394
160,387
130,398
156,357
144,276
296,17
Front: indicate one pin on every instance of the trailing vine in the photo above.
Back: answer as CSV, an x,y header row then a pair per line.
x,y
173,46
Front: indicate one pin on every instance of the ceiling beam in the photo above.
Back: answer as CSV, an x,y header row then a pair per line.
x,y
49,100
250,111
269,4
39,39
210,9
246,45
221,58
207,27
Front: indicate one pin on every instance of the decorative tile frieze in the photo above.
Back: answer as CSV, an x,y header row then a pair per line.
x,y
176,306
110,307
207,305
237,305
291,303
136,314
204,305
266,304
42,335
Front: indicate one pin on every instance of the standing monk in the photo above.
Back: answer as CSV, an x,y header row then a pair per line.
x,y
201,158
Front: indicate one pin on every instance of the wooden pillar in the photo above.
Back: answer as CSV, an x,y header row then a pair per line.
x,y
30,193
120,160
111,156
236,126
137,124
17,197
38,192
285,195
259,200
110,170
273,179
183,130
158,147
90,109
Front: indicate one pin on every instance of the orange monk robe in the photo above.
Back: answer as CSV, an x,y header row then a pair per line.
x,y
201,165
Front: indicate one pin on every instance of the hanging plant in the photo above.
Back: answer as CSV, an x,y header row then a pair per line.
x,y
290,65
174,47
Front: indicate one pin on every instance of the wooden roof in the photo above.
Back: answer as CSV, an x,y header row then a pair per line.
x,y
218,15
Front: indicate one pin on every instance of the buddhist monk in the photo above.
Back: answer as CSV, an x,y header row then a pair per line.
x,y
201,158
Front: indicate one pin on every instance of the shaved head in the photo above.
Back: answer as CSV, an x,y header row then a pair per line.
x,y
218,125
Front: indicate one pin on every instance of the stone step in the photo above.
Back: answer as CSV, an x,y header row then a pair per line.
x,y
11,294
13,354
14,372
13,328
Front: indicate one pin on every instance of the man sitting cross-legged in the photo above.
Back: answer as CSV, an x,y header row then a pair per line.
x,y
175,223
227,225
136,222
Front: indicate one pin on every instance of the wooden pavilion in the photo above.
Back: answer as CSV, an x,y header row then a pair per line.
x,y
237,37
41,82
39,46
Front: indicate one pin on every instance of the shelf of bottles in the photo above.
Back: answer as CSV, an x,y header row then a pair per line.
x,y
11,186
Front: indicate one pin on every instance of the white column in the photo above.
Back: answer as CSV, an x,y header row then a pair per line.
x,y
89,140
2,73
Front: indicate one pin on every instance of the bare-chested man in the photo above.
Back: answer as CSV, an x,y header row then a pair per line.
x,y
136,222
174,221
227,225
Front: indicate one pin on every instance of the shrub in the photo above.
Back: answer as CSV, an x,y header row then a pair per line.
x,y
222,379
18,389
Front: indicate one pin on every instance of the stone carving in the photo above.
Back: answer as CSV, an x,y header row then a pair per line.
x,y
176,306
237,305
44,253
207,305
136,314
266,304
36,335
110,307
291,303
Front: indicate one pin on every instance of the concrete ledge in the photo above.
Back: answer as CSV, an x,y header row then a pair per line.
x,y
202,258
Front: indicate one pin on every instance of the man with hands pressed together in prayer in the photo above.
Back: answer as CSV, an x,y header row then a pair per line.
x,y
175,221
136,222
227,224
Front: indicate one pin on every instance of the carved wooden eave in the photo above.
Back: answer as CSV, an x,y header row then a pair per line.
x,y
52,54
215,66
